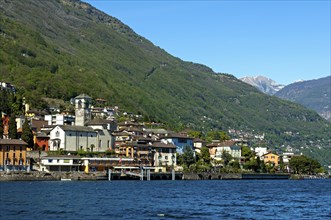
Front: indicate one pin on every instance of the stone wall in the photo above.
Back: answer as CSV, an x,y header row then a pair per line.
x,y
44,176
211,176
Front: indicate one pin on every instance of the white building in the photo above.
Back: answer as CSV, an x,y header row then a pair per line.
x,y
73,138
259,151
234,151
60,119
60,163
165,156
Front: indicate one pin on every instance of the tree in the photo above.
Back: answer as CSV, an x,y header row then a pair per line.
x,y
247,153
5,102
12,130
224,136
252,164
281,164
188,156
1,128
226,157
304,165
27,134
195,134
217,135
205,155
235,164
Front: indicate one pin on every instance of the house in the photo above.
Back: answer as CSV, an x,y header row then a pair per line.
x,y
179,140
216,149
212,148
259,151
41,140
129,124
92,164
141,151
287,156
158,155
5,124
271,158
164,156
121,137
157,131
13,155
37,125
35,114
198,144
19,122
73,138
61,163
60,119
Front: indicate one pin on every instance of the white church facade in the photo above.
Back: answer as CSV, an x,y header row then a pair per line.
x,y
86,134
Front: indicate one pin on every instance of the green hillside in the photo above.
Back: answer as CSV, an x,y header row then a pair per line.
x,y
61,48
314,94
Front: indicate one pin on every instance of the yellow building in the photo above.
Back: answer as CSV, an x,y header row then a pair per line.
x,y
13,155
271,158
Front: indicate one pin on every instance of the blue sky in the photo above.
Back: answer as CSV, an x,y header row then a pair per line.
x,y
282,40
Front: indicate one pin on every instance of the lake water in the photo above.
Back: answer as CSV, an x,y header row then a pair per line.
x,y
210,199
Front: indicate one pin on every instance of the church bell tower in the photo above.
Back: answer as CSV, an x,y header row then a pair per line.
x,y
82,109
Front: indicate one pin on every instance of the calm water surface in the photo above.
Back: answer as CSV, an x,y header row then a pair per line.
x,y
240,199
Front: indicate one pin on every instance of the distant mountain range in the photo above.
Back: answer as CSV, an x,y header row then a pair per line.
x,y
264,84
314,94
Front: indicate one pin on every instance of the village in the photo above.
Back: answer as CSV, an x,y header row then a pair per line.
x,y
96,140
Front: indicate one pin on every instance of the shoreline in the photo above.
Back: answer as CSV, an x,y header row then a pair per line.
x,y
103,176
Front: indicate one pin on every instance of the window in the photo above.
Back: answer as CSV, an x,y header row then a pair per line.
x,y
50,160
166,157
8,148
57,134
182,140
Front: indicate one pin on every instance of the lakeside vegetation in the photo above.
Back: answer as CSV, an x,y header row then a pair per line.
x,y
202,162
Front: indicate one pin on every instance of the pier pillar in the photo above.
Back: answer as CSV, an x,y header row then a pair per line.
x,y
109,174
142,174
173,174
148,174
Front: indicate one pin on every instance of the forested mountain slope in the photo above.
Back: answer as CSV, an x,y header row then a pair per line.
x,y
314,94
61,48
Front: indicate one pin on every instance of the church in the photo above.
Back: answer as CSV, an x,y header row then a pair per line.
x,y
86,134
